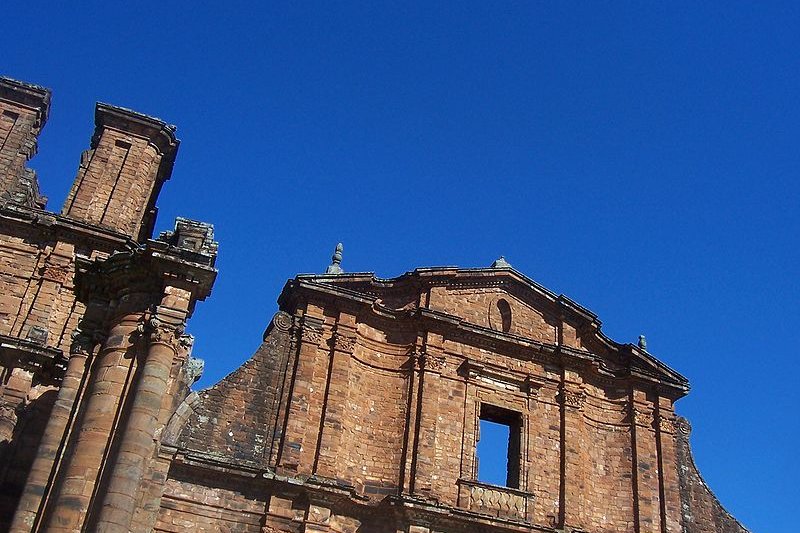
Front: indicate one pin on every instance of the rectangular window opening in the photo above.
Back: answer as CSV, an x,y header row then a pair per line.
x,y
498,450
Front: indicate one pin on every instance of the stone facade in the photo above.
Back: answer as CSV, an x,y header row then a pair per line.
x,y
360,412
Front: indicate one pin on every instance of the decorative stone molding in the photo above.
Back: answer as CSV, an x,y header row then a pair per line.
x,y
311,334
166,334
282,321
642,417
434,363
532,386
497,501
344,343
574,399
666,425
683,426
57,274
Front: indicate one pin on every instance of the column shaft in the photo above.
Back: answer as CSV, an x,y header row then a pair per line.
x,y
137,442
89,442
38,485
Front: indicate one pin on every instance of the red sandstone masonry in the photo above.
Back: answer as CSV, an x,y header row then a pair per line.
x,y
384,405
359,412
122,173
23,113
39,313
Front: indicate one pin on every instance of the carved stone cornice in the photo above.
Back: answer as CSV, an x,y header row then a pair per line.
x,y
29,95
46,362
156,131
171,260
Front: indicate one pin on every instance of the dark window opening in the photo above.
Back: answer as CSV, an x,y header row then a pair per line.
x,y
498,451
505,315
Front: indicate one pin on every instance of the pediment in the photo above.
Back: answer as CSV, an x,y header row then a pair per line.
x,y
500,300
500,306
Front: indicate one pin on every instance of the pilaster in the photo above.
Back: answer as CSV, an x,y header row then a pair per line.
x,y
574,454
646,485
337,391
430,361
38,484
668,467
302,426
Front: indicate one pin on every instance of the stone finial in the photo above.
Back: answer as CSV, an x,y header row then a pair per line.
x,y
501,262
335,266
642,342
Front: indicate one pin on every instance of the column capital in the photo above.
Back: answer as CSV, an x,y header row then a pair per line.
x,y
161,332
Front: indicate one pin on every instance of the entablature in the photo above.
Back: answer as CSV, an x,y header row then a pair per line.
x,y
619,363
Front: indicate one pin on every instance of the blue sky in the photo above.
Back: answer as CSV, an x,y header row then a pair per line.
x,y
641,158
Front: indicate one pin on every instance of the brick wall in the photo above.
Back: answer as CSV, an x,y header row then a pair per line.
x,y
360,411
384,404
702,511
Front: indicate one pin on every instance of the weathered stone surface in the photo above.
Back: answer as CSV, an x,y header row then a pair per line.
x,y
360,411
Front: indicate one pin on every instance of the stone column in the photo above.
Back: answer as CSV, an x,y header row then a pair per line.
x,y
573,453
414,379
336,395
38,483
647,501
431,362
302,424
668,468
137,443
90,441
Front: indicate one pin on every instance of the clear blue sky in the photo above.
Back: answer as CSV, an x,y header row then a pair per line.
x,y
640,158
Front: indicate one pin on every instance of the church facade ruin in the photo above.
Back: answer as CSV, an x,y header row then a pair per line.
x,y
361,411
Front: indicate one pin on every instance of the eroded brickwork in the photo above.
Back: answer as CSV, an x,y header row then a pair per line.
x,y
359,413
377,389
702,511
93,355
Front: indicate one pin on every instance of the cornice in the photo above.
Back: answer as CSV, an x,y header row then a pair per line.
x,y
28,95
46,362
155,130
414,509
49,222
633,362
148,267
